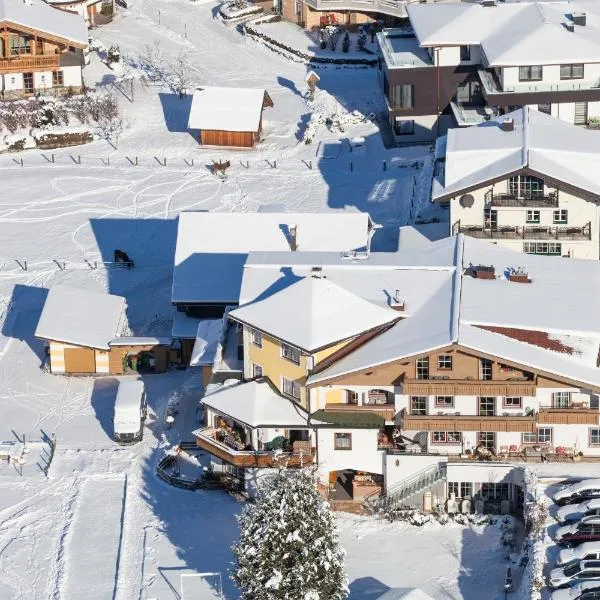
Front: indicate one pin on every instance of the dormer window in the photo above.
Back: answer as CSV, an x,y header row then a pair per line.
x,y
526,186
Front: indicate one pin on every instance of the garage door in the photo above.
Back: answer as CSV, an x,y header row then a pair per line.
x,y
80,360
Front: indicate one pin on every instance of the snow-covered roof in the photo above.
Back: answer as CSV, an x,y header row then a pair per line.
x,y
35,14
484,152
140,341
212,247
256,404
512,33
559,302
313,313
226,109
80,317
184,326
207,340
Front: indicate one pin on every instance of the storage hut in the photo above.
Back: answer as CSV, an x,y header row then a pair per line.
x,y
84,330
229,117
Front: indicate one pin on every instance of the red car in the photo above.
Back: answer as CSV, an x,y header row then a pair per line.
x,y
586,530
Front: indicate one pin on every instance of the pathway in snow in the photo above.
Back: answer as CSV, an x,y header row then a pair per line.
x,y
93,544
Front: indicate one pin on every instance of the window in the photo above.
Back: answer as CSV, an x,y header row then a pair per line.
x,y
465,53
423,368
418,405
495,491
342,441
487,406
561,399
550,248
351,397
444,401
466,489
526,186
20,44
531,73
595,437
404,127
445,363
377,397
533,216
545,108
486,369
542,436
257,370
291,388
571,71
256,337
560,216
28,83
298,7
487,439
512,402
453,488
446,437
290,353
58,78
404,95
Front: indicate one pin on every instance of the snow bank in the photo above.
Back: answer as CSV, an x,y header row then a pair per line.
x,y
238,9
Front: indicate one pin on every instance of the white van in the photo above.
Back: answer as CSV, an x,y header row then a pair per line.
x,y
130,411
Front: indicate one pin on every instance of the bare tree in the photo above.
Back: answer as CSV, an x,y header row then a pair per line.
x,y
181,76
153,61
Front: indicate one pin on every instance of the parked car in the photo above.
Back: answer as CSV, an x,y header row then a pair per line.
x,y
586,551
585,590
586,530
130,411
571,513
583,570
578,492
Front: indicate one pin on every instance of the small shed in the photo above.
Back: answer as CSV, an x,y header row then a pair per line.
x,y
230,117
84,330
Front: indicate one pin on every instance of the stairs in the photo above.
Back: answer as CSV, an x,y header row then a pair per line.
x,y
409,491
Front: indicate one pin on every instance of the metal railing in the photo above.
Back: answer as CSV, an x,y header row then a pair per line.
x,y
532,232
492,85
402,490
510,200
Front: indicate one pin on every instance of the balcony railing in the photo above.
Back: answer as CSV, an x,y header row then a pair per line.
x,y
459,422
205,439
510,200
32,63
492,86
527,232
468,387
568,415
387,411
395,8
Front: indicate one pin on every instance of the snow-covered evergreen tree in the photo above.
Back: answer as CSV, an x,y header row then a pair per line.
x,y
288,547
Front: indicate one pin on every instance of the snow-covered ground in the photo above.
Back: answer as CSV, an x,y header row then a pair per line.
x,y
63,213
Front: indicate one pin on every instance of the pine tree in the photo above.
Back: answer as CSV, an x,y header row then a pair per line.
x,y
288,547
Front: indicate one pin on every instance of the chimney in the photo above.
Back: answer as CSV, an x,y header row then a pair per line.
x,y
317,273
569,26
518,275
396,302
293,233
507,124
488,3
579,18
483,272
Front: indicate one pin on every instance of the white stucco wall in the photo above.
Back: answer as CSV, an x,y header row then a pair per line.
x,y
72,76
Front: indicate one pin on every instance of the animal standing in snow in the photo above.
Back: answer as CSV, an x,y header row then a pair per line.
x,y
220,168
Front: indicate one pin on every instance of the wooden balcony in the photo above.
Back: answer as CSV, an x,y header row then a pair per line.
x,y
247,458
467,423
467,387
574,415
387,411
19,64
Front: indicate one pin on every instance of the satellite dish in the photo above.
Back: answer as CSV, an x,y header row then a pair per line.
x,y
466,200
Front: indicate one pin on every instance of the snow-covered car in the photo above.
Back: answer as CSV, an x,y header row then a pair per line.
x,y
586,590
574,512
586,551
584,570
578,492
585,530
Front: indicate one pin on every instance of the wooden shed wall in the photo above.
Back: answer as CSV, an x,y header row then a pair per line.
x,y
117,353
239,139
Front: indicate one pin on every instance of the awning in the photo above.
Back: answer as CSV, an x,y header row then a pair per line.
x,y
349,419
207,341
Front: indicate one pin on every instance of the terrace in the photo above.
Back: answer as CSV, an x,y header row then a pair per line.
x,y
549,200
527,232
401,49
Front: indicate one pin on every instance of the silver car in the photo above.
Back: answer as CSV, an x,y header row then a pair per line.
x,y
586,590
573,512
586,551
585,570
